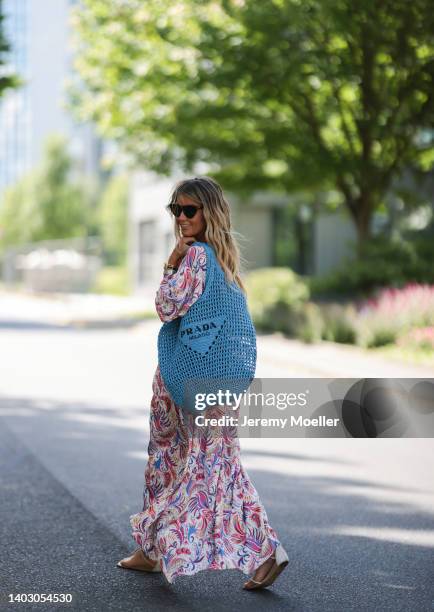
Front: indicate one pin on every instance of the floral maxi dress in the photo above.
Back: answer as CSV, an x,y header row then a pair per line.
x,y
200,509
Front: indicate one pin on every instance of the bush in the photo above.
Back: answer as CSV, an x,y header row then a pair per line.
x,y
308,323
384,263
279,301
393,312
276,297
422,339
339,323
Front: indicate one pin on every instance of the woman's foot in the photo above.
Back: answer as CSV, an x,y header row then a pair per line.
x,y
138,561
261,572
267,573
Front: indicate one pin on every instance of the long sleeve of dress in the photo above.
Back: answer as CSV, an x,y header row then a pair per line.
x,y
179,290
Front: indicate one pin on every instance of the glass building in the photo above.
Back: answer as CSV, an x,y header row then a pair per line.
x,y
38,32
15,110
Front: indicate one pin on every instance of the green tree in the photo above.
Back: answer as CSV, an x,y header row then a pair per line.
x,y
48,203
61,201
283,94
113,219
8,80
18,215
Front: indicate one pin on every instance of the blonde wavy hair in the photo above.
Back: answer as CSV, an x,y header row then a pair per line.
x,y
219,234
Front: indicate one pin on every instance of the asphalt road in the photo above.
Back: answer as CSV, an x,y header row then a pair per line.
x,y
355,516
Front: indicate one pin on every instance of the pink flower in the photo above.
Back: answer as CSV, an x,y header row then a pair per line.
x,y
423,336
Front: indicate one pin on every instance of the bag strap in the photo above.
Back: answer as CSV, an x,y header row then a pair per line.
x,y
210,266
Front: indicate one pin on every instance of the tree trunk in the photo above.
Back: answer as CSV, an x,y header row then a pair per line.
x,y
361,212
363,232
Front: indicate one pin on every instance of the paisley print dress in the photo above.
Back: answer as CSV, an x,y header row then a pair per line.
x,y
200,508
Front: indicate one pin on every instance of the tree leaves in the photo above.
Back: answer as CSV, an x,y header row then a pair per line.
x,y
335,92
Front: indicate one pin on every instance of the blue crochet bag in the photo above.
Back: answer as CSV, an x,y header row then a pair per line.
x,y
213,346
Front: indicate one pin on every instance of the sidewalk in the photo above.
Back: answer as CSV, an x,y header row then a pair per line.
x,y
333,360
74,309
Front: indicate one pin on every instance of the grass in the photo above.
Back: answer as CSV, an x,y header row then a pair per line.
x,y
413,356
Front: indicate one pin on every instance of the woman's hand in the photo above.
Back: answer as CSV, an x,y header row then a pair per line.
x,y
181,248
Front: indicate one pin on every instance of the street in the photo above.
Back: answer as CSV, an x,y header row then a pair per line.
x,y
356,516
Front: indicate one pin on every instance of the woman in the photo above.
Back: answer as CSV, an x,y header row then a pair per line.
x,y
200,511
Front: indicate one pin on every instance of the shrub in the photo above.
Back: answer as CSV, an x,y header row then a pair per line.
x,y
339,323
392,312
308,323
422,338
279,301
384,263
276,297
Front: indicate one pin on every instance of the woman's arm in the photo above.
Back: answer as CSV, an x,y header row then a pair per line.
x,y
179,290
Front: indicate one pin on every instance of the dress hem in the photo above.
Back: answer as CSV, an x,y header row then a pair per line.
x,y
209,566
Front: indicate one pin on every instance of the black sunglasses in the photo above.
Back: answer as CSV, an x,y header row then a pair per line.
x,y
189,210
